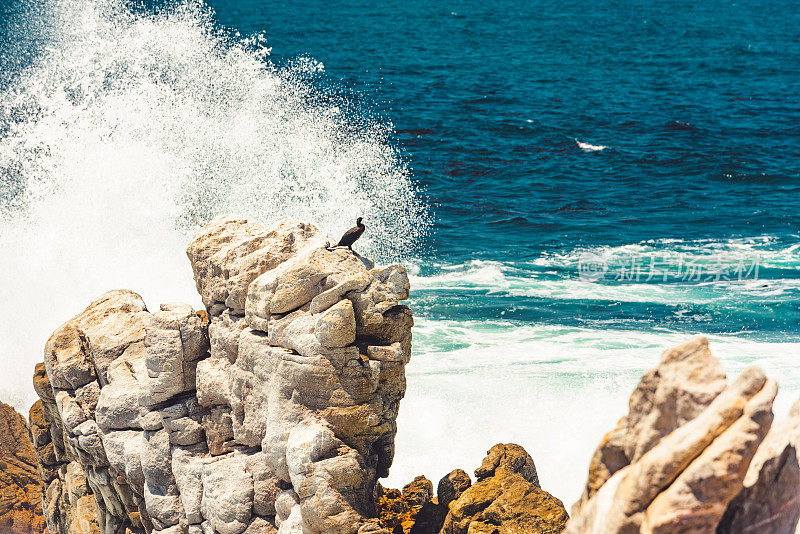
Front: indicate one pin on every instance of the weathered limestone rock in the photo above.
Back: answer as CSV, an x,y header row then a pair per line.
x,y
81,350
683,481
229,253
277,413
227,500
69,505
20,483
770,499
175,340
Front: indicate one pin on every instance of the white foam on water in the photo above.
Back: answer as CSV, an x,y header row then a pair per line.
x,y
555,390
766,250
516,280
128,132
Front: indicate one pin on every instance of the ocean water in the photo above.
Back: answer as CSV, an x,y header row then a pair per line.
x,y
573,187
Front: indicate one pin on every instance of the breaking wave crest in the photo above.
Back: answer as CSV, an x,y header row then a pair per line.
x,y
127,130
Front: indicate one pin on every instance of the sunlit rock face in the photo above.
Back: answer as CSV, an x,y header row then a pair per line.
x,y
20,482
695,454
272,410
505,499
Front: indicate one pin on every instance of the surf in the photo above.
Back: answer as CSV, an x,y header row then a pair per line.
x,y
128,130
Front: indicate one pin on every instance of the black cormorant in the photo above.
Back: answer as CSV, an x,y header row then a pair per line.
x,y
352,235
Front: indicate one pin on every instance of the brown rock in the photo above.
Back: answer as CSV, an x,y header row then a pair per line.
x,y
20,484
506,499
451,486
509,457
696,500
684,483
390,506
412,511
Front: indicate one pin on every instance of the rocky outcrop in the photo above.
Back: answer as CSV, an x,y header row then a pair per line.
x,y
415,509
20,485
506,499
770,498
684,451
272,410
684,383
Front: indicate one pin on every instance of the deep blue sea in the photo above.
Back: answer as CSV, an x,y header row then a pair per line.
x,y
574,187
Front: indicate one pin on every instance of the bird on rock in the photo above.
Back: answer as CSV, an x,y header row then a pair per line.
x,y
352,235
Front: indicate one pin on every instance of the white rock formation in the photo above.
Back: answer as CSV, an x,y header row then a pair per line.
x,y
274,411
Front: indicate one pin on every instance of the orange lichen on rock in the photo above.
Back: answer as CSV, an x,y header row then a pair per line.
x,y
20,485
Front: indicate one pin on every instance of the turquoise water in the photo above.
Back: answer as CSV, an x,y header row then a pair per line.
x,y
573,187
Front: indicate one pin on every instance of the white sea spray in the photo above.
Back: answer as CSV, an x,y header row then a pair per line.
x,y
128,130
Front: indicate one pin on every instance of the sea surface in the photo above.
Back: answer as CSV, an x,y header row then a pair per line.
x,y
574,187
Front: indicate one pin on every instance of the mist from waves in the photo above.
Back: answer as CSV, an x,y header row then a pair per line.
x,y
125,131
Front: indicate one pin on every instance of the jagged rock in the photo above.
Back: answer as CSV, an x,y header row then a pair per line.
x,y
770,498
227,495
413,510
506,498
69,505
187,467
683,384
336,326
212,381
113,323
508,457
174,342
218,427
452,486
255,415
41,438
685,481
229,253
20,483
259,525
266,486
298,280
118,403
